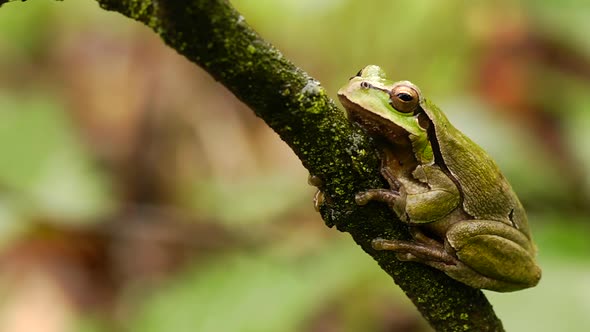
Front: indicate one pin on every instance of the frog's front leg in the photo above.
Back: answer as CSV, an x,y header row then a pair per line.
x,y
430,196
381,195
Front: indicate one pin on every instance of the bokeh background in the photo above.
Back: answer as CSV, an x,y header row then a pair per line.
x,y
137,194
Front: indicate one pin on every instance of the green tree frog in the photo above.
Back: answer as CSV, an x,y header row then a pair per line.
x,y
463,215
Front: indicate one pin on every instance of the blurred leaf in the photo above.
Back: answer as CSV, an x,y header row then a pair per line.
x,y
42,164
90,325
254,199
263,292
558,236
21,24
560,302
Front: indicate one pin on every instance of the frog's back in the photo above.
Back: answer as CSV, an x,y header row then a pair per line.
x,y
487,193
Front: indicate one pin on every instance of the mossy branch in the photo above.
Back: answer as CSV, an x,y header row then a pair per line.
x,y
216,37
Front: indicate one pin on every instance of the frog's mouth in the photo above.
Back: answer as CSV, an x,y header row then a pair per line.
x,y
375,124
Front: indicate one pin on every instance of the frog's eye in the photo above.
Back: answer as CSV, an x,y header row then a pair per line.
x,y
404,98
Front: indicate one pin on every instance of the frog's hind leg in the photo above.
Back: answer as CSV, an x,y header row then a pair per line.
x,y
416,251
419,236
429,247
497,250
437,257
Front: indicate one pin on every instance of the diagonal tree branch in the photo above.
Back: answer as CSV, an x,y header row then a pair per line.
x,y
216,37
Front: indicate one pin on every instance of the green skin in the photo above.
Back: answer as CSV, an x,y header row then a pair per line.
x,y
465,218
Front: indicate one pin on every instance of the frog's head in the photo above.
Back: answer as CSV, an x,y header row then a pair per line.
x,y
382,107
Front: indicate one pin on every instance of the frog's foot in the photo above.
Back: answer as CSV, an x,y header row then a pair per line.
x,y
314,180
431,254
381,195
318,197
318,200
422,238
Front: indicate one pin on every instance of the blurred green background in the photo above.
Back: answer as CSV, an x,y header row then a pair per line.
x,y
137,194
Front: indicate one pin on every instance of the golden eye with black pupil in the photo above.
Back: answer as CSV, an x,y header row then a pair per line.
x,y
404,98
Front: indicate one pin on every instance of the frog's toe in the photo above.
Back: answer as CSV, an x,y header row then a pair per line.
x,y
362,198
318,200
406,257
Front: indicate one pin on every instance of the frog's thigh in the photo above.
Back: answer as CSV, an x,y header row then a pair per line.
x,y
495,250
431,205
